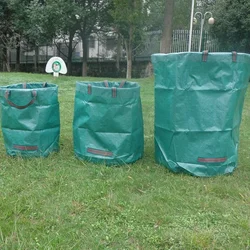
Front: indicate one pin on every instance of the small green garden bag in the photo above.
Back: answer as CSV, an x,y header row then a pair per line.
x,y
108,124
30,119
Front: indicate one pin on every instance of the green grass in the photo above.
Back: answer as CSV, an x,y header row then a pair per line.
x,y
62,203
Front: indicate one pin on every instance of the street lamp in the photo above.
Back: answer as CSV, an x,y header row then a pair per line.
x,y
203,18
191,27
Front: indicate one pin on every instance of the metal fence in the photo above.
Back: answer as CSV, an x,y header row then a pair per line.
x,y
104,49
181,37
179,42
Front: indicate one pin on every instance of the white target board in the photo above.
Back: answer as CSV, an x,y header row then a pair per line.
x,y
56,65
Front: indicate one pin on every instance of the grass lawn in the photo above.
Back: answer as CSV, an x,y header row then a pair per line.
x,y
62,203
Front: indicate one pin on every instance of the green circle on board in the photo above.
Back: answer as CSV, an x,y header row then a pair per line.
x,y
56,66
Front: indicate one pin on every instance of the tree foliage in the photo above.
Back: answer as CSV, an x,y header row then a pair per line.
x,y
38,22
181,14
232,24
8,34
63,24
91,19
129,19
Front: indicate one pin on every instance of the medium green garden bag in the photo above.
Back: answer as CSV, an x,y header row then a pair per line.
x,y
108,124
199,99
30,119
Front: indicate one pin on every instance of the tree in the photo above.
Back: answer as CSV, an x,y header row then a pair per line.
x,y
166,39
128,20
232,24
53,21
90,20
31,22
40,28
8,35
63,19
181,14
20,21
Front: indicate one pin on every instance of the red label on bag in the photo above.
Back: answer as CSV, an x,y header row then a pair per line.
x,y
211,160
25,148
99,152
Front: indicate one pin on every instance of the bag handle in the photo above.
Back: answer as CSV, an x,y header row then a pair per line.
x,y
106,83
234,56
121,85
7,94
114,89
204,55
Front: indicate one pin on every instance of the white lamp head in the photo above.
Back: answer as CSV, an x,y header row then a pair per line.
x,y
211,20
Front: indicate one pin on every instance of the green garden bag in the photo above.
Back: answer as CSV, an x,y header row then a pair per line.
x,y
30,119
199,99
108,124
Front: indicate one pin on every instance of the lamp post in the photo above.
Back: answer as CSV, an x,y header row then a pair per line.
x,y
202,17
191,27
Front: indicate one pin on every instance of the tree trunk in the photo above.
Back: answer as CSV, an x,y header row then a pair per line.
x,y
128,46
36,61
18,50
118,56
70,53
166,39
85,55
6,60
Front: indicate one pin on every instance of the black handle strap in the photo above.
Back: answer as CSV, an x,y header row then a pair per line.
x,y
89,89
234,56
114,92
106,83
204,55
7,94
114,89
122,84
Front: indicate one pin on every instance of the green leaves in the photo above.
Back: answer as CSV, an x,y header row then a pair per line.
x,y
233,18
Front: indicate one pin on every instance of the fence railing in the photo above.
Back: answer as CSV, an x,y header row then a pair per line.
x,y
181,37
106,49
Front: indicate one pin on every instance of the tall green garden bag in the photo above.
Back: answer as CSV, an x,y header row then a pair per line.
x,y
108,123
199,99
30,119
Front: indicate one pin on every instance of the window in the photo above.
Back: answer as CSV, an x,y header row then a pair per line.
x,y
91,42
